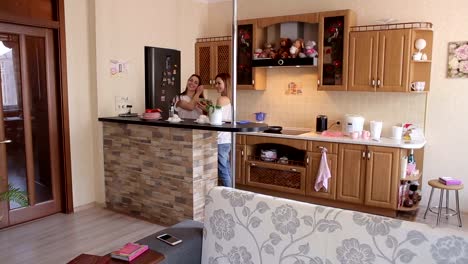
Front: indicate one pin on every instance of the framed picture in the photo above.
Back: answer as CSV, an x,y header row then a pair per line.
x,y
457,59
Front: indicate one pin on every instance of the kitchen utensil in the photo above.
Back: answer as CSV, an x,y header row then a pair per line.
x,y
418,86
273,129
268,154
376,129
353,123
321,123
365,134
260,116
397,132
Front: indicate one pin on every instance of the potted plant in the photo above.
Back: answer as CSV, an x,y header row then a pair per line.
x,y
13,194
214,113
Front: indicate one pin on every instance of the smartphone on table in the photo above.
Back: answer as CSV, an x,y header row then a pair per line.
x,y
169,239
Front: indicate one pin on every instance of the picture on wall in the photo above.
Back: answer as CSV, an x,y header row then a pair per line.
x,y
457,59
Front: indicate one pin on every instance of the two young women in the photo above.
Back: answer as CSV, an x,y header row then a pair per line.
x,y
189,106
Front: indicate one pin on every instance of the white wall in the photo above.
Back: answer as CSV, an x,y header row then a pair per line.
x,y
82,98
446,151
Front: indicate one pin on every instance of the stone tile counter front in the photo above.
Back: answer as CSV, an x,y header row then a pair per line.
x,y
159,171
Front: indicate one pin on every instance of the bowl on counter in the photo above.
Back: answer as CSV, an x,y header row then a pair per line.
x,y
268,154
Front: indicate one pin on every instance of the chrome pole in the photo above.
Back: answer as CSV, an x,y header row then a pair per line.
x,y
234,90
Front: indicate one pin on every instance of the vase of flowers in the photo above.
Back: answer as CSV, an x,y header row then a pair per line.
x,y
215,114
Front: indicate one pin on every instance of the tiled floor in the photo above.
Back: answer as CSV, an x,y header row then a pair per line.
x,y
431,219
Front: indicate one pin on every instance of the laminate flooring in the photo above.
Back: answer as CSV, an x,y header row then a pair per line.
x,y
60,238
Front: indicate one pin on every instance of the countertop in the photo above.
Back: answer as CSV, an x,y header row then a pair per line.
x,y
384,142
188,124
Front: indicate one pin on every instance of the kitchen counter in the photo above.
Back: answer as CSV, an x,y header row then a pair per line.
x,y
189,124
384,142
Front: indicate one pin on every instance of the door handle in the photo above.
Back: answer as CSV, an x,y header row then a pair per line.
x,y
368,155
373,83
307,160
292,169
363,155
6,141
378,83
318,82
242,153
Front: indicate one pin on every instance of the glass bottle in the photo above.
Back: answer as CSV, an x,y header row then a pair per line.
x,y
411,157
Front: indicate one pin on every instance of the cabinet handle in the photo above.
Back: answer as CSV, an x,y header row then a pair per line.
x,y
292,169
307,160
253,164
373,83
363,155
6,141
242,153
378,83
253,82
318,82
368,155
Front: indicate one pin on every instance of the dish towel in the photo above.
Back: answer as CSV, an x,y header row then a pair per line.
x,y
323,173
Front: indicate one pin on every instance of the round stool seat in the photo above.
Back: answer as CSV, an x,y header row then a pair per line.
x,y
439,185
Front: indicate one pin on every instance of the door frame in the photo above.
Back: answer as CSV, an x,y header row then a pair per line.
x,y
63,122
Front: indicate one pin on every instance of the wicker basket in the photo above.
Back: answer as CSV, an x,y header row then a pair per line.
x,y
282,178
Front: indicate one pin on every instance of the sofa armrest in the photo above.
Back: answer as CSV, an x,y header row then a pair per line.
x,y
189,251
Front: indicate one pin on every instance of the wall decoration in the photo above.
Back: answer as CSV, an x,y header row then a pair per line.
x,y
294,88
458,60
117,67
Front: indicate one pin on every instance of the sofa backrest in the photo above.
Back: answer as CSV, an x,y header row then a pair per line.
x,y
245,227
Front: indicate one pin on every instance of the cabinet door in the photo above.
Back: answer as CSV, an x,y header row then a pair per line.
x,y
311,176
333,49
363,49
204,61
249,38
223,57
392,70
382,177
240,161
351,173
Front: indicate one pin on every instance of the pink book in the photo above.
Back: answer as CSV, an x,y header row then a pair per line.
x,y
129,252
449,181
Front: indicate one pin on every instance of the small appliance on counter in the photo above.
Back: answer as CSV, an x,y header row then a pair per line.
x,y
129,112
321,123
353,123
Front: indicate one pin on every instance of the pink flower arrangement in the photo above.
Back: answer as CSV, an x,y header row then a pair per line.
x,y
458,60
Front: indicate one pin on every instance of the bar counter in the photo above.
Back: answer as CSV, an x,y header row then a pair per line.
x,y
161,171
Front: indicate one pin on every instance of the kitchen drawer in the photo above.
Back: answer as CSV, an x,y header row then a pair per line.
x,y
314,146
295,143
273,176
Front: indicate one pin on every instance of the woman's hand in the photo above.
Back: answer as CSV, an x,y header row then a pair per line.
x,y
202,105
200,89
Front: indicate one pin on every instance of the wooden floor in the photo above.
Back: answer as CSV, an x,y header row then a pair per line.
x,y
60,238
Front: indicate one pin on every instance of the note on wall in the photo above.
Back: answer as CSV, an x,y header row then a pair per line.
x,y
118,67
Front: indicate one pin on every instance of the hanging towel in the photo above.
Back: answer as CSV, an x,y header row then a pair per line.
x,y
323,173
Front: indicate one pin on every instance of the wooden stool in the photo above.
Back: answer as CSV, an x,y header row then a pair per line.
x,y
447,188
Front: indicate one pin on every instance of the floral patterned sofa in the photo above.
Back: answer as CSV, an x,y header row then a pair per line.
x,y
244,227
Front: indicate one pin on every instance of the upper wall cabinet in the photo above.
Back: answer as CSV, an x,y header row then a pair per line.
x,y
249,37
388,61
334,30
212,56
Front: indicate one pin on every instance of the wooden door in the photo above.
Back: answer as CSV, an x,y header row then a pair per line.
x,y
333,49
311,177
29,153
392,70
223,57
351,173
249,39
382,177
363,51
204,62
240,161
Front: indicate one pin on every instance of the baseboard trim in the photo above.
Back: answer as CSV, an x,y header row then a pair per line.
x,y
88,206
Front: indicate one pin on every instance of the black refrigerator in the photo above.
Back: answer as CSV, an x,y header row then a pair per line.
x,y
162,78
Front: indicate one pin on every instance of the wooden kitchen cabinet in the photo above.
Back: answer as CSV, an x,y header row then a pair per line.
x,y
379,60
211,58
351,173
382,177
240,161
333,49
249,37
313,165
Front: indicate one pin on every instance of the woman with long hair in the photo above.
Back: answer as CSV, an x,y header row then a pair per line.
x,y
187,101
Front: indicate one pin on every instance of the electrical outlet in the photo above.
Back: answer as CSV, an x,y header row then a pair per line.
x,y
121,103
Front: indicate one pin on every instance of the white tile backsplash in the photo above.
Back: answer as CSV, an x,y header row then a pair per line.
x,y
301,110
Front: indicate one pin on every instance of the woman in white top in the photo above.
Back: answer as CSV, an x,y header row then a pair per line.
x,y
186,102
223,86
